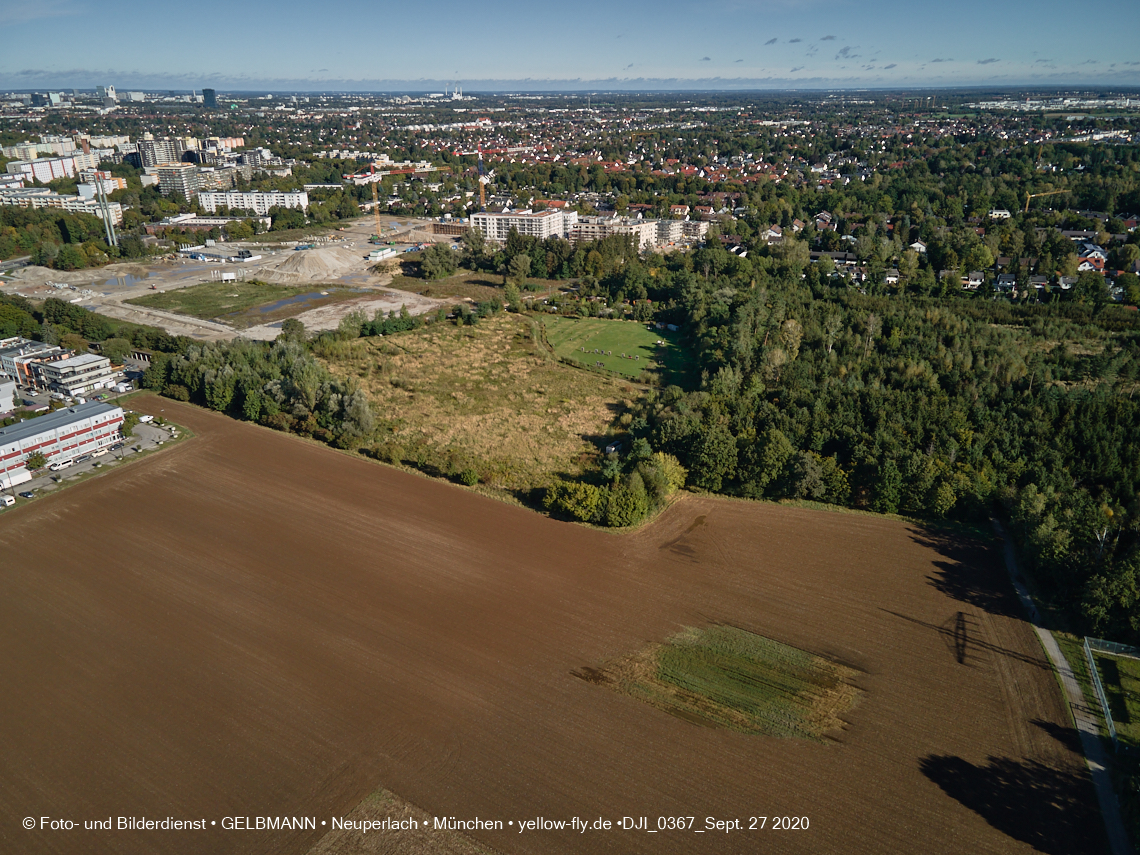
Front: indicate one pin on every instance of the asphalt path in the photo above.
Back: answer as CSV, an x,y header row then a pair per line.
x,y
1085,718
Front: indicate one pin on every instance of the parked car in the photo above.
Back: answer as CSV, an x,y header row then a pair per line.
x,y
145,419
27,494
62,464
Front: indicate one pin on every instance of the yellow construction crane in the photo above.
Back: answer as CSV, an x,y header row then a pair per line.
x,y
375,200
1029,196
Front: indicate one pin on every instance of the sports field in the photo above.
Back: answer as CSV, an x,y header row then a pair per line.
x,y
626,347
270,628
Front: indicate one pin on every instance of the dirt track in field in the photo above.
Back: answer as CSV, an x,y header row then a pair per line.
x,y
251,625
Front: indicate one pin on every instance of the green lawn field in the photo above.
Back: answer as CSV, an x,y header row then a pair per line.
x,y
244,304
625,347
1121,678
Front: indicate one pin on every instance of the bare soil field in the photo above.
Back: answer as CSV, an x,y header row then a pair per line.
x,y
272,628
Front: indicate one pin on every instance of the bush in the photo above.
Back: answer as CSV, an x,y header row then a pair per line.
x,y
574,499
469,477
627,505
675,474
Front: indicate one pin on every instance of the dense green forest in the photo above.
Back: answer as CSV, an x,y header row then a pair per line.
x,y
280,385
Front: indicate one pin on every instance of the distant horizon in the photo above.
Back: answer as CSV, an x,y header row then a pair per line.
x,y
561,87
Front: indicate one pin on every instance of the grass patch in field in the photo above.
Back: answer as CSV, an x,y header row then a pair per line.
x,y
625,347
465,285
383,804
237,303
721,676
469,285
1120,676
483,398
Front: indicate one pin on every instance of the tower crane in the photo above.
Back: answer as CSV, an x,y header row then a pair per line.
x,y
484,179
375,201
1029,196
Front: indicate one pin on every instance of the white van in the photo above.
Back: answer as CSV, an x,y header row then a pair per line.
x,y
62,464
6,501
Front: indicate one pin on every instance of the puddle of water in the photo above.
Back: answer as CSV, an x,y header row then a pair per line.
x,y
298,301
124,281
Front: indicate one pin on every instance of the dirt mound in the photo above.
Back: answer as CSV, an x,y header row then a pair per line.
x,y
329,262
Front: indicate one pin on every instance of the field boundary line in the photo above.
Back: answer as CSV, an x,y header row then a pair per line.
x,y
1095,756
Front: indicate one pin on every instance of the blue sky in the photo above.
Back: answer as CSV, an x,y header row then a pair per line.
x,y
736,44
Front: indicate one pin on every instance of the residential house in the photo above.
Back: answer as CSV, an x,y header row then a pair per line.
x,y
1006,283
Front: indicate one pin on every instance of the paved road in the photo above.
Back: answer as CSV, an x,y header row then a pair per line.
x,y
1084,717
15,263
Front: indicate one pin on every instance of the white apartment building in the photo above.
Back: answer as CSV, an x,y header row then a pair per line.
x,y
180,178
48,169
670,231
42,197
76,375
596,228
554,222
62,435
90,189
695,228
258,202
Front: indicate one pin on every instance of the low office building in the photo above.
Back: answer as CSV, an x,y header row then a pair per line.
x,y
19,356
60,436
7,394
258,202
194,223
76,375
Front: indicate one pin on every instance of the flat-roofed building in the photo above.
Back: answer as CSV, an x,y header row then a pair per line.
x,y
670,231
42,197
59,436
19,355
76,375
180,178
595,228
7,394
46,169
258,202
539,224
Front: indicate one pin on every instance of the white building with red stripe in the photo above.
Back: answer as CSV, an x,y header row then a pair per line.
x,y
59,436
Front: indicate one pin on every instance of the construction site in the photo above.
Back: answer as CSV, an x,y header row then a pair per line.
x,y
338,259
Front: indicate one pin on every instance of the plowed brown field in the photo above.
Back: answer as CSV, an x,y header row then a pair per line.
x,y
252,625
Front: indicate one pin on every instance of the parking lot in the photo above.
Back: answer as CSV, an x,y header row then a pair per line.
x,y
144,438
